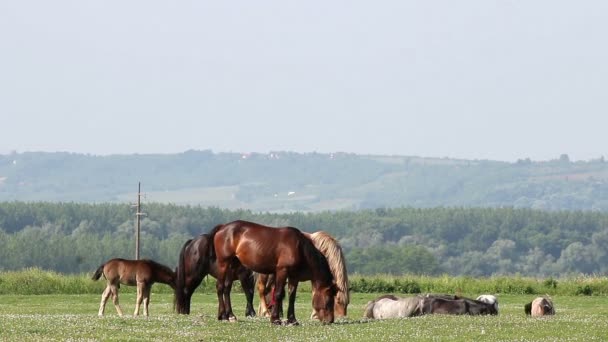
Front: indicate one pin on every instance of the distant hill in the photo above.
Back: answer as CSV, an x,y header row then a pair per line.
x,y
311,182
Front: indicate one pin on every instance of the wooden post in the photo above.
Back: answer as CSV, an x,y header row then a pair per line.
x,y
138,214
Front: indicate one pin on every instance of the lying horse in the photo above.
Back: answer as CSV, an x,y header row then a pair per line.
x,y
541,306
490,299
463,306
194,264
284,252
332,251
142,273
390,306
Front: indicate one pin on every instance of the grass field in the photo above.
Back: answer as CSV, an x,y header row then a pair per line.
x,y
74,318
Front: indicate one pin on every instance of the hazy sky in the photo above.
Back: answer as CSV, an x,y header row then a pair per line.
x,y
483,79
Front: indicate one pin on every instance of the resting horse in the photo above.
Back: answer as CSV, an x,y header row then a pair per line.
x,y
195,262
390,306
541,306
285,252
463,306
332,251
490,299
142,273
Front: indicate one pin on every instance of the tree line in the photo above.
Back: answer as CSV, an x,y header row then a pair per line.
x,y
77,237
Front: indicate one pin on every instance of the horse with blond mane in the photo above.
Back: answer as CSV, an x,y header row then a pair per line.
x,y
331,249
282,251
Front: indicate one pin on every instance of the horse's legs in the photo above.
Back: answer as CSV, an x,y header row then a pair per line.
x,y
261,285
114,290
146,295
248,285
291,313
279,294
314,314
104,298
220,288
227,302
139,298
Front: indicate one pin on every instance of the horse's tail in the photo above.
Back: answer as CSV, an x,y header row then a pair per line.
x,y
98,273
180,300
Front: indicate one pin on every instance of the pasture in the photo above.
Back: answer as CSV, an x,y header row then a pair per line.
x,y
74,317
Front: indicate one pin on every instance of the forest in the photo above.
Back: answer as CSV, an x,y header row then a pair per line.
x,y
72,237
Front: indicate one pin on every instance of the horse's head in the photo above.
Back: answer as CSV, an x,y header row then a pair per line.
x,y
323,302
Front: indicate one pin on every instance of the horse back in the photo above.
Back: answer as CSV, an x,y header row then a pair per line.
x,y
431,305
259,248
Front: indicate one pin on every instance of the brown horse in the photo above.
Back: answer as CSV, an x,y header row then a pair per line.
x,y
285,252
195,263
332,251
142,273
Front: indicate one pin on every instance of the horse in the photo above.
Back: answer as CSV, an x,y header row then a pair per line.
x,y
390,306
463,306
490,299
284,252
140,273
332,251
542,306
195,262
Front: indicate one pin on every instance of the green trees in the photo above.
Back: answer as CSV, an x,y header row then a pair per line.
x,y
76,237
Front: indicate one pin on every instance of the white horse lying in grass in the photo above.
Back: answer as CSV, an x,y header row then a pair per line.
x,y
389,306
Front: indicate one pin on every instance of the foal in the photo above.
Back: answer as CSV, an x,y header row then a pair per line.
x,y
142,273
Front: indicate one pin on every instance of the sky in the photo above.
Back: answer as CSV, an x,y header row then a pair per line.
x,y
487,79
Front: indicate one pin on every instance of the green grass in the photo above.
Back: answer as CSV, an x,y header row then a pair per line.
x,y
74,317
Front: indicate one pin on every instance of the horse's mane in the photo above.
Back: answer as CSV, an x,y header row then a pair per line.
x,y
160,266
332,251
211,234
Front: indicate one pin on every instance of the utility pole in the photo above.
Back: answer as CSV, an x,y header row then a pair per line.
x,y
138,214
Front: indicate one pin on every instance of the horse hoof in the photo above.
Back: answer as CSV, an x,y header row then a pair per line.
x,y
277,322
232,319
293,323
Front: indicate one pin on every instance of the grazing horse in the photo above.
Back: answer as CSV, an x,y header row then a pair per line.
x,y
332,251
194,264
542,306
284,252
389,306
142,273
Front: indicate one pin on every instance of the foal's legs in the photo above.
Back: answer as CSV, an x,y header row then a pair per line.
x,y
104,298
146,295
139,298
114,290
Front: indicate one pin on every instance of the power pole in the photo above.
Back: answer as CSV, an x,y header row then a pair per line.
x,y
138,214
